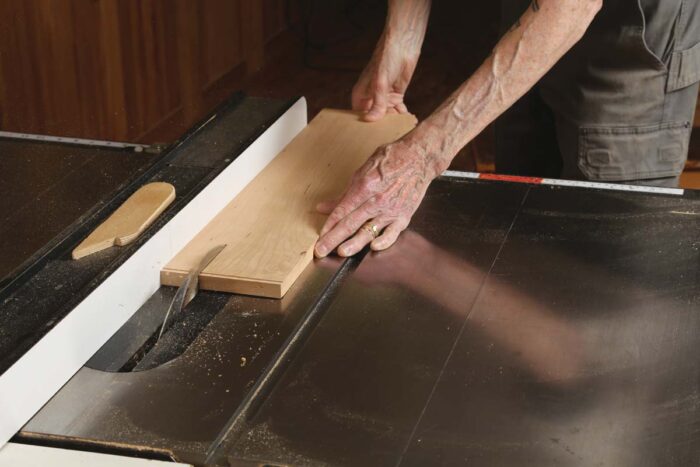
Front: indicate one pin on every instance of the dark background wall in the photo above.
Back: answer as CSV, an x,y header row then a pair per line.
x,y
146,70
121,69
130,69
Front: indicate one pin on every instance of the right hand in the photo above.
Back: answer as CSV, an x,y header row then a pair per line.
x,y
383,83
386,191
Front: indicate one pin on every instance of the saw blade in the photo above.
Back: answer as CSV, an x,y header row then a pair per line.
x,y
188,290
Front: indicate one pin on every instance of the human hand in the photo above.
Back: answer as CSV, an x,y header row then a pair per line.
x,y
382,85
385,192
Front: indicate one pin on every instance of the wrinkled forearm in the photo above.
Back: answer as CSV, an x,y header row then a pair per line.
x,y
545,32
407,22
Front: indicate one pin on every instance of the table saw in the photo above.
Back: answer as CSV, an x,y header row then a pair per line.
x,y
517,322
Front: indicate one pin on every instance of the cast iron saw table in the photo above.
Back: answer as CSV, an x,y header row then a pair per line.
x,y
514,323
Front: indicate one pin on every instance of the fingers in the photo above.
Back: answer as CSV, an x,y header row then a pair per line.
x,y
362,104
396,103
380,102
389,236
393,104
342,230
401,108
327,207
361,97
362,238
353,198
376,101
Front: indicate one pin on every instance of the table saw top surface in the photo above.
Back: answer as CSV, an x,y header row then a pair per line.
x,y
512,324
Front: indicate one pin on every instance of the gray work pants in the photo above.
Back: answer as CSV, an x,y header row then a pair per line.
x,y
619,106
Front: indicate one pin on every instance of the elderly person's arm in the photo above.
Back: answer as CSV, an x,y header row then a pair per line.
x,y
383,83
388,189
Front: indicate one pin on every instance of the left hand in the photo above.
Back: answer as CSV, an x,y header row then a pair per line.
x,y
386,191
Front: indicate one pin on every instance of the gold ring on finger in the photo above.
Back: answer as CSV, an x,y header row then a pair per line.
x,y
372,229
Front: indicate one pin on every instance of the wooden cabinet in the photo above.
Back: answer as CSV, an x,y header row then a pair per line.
x,y
121,69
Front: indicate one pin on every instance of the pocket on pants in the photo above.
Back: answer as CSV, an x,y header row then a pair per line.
x,y
684,69
633,153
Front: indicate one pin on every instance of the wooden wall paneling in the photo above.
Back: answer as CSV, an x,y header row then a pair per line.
x,y
274,18
170,61
89,71
252,34
166,69
4,33
49,69
8,49
2,89
155,41
121,69
56,58
271,227
17,52
188,45
114,96
221,42
25,54
136,50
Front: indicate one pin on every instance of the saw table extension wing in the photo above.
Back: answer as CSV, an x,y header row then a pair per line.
x,y
271,227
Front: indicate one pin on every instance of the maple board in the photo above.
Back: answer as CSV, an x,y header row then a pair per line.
x,y
271,227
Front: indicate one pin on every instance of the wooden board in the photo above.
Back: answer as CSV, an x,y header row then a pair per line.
x,y
271,227
129,220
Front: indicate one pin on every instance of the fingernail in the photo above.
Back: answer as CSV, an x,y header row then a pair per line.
x,y
344,252
321,251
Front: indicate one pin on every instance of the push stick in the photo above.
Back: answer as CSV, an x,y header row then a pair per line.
x,y
129,220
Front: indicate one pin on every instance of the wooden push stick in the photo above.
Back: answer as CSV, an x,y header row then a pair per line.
x,y
129,220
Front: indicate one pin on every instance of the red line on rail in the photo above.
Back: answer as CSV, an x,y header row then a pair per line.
x,y
511,178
